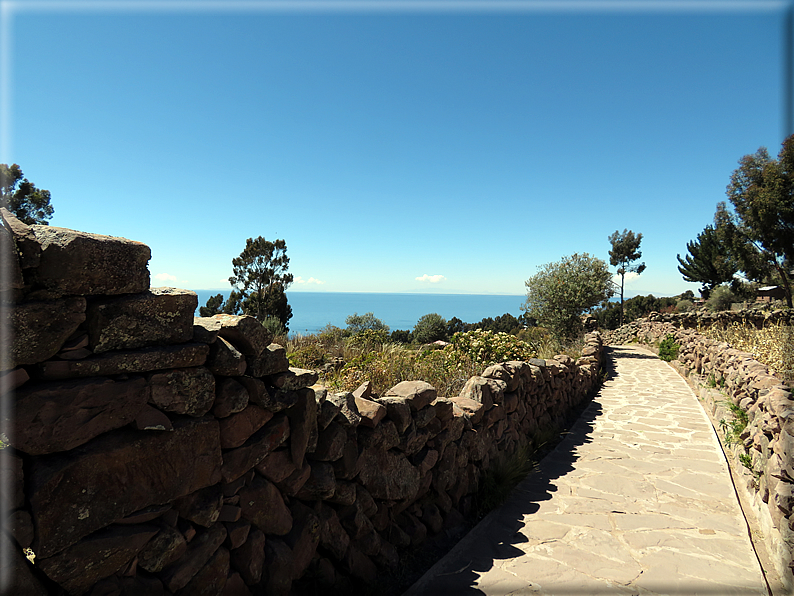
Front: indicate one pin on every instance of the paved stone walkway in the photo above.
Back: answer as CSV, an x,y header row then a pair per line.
x,y
637,499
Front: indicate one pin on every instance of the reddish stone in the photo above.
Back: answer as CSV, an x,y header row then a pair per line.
x,y
162,550
344,493
472,408
302,421
51,417
348,411
238,428
371,412
205,329
108,550
125,362
398,411
237,533
225,360
330,443
76,263
277,466
188,391
40,329
347,466
146,514
202,506
249,559
198,554
425,416
321,483
158,316
247,334
261,504
382,437
230,397
293,379
272,361
117,474
237,462
417,394
150,418
388,475
302,538
333,536
229,513
210,579
327,411
361,566
292,484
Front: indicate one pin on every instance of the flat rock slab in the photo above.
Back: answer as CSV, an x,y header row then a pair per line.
x,y
637,499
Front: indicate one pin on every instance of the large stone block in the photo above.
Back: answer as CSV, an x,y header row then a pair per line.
x,y
417,394
40,329
126,362
245,333
159,316
262,504
58,416
272,361
188,391
237,462
78,263
27,246
76,493
388,475
101,554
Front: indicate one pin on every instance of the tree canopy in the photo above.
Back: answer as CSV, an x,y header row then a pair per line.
x,y
708,262
29,204
429,328
758,226
625,250
357,323
562,291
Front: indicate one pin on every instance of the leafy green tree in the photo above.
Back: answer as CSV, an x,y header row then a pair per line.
x,y
708,262
562,291
357,323
625,250
29,204
455,325
400,336
759,225
214,306
429,328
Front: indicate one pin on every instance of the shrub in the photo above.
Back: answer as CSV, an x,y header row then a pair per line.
x,y
400,336
430,328
685,306
274,325
721,298
309,356
668,349
486,347
357,323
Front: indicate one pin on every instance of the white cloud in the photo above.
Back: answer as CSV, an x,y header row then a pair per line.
x,y
630,276
299,280
165,277
433,279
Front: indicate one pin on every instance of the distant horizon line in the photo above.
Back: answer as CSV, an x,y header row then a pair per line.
x,y
373,292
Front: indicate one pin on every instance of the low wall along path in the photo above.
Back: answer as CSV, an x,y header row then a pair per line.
x,y
148,452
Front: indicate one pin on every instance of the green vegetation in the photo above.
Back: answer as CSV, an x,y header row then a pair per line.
x,y
708,262
501,478
29,204
430,328
357,323
734,428
747,461
562,291
668,349
721,298
260,280
608,316
625,250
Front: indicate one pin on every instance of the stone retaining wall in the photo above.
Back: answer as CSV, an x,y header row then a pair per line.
x,y
763,453
151,452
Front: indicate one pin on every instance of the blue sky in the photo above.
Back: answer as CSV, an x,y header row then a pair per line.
x,y
397,147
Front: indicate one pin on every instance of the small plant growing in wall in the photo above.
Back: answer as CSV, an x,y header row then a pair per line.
x,y
668,349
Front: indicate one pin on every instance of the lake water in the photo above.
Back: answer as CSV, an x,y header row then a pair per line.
x,y
311,311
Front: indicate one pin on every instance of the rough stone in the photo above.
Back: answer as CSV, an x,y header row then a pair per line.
x,y
78,263
333,536
205,329
330,443
295,481
126,362
199,552
161,551
20,525
159,316
59,416
249,559
384,436
12,494
348,411
237,533
473,409
237,462
247,334
272,361
479,390
235,586
321,483
262,505
347,466
40,329
302,423
202,506
398,411
74,494
27,247
277,465
417,394
12,379
188,391
238,428
108,549
278,562
327,411
210,580
150,418
293,379
231,397
225,360
302,538
388,475
371,412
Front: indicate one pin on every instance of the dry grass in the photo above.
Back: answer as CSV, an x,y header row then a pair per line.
x,y
772,345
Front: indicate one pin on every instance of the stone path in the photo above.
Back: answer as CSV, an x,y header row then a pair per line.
x,y
637,499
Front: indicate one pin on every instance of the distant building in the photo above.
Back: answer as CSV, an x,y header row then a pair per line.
x,y
770,293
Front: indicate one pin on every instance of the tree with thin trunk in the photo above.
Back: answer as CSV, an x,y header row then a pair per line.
x,y
625,250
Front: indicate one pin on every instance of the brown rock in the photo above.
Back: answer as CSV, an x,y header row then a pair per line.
x,y
27,246
108,549
327,411
247,334
277,465
205,329
398,411
230,397
238,428
202,506
144,515
188,391
278,562
230,513
473,409
21,527
199,552
479,390
272,361
295,481
74,494
333,536
150,418
210,579
159,316
302,423
371,412
249,559
126,362
17,571
347,466
235,586
424,416
293,379
388,475
225,360
321,483
361,566
263,506
344,493
348,411
40,329
302,538
237,462
59,416
417,394
384,436
237,533
330,443
161,551
77,263
12,379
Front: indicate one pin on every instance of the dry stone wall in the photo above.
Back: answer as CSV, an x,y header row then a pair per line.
x,y
763,451
153,452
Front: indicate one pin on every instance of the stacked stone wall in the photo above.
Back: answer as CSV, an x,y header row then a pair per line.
x,y
763,453
152,452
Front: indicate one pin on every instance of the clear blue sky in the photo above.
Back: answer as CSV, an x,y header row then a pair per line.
x,y
398,147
